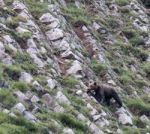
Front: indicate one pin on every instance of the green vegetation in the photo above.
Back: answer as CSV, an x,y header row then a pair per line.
x,y
18,125
135,36
126,77
122,2
138,106
146,68
7,98
22,86
37,8
71,121
77,16
77,102
133,130
25,62
112,22
12,71
69,81
99,68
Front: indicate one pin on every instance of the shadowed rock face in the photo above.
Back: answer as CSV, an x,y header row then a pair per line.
x,y
146,3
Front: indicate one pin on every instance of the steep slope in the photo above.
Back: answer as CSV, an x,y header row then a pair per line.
x,y
51,49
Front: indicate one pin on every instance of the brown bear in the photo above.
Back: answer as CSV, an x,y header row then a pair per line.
x,y
103,93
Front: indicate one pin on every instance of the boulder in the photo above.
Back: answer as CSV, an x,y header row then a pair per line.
x,y
2,3
17,5
51,83
19,108
68,131
47,18
25,77
94,129
75,68
62,98
35,99
30,116
145,119
21,96
49,101
55,34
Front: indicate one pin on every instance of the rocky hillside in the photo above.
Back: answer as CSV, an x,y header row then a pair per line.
x,y
51,49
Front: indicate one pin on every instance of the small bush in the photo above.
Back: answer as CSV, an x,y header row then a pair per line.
x,y
6,98
70,121
99,68
70,81
19,125
139,107
131,130
126,77
12,71
77,16
146,68
37,8
122,2
22,86
25,62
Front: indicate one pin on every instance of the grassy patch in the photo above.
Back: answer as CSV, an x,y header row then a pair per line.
x,y
19,126
99,68
139,107
69,81
37,8
7,98
70,121
12,71
77,16
22,86
122,2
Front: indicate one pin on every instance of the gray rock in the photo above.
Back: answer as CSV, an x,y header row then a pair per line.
x,y
81,117
49,101
17,5
21,30
35,99
75,68
62,98
102,122
19,108
30,116
47,18
79,92
124,117
37,60
2,3
51,83
55,34
25,77
68,131
6,111
38,87
145,119
21,96
94,129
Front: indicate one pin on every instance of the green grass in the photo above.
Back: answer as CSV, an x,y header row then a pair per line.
x,y
18,125
146,68
19,85
69,81
7,98
12,71
99,68
70,121
25,62
77,16
122,2
37,8
138,106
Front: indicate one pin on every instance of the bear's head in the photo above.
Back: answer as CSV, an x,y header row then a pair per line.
x,y
92,87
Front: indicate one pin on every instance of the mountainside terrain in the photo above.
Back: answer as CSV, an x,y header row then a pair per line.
x,y
51,49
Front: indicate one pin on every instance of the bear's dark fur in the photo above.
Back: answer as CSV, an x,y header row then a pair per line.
x,y
104,93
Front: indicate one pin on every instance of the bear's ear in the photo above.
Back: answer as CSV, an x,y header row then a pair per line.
x,y
95,83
